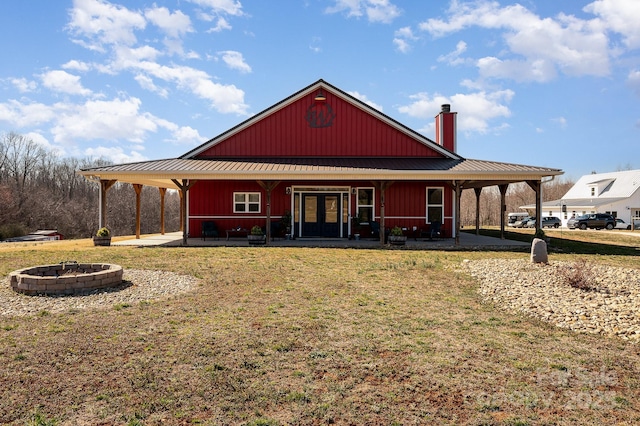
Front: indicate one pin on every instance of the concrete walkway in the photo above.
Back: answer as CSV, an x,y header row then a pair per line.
x,y
468,241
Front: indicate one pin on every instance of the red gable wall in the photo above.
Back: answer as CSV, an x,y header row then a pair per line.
x,y
287,133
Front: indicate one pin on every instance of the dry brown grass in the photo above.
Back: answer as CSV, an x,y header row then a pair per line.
x,y
278,336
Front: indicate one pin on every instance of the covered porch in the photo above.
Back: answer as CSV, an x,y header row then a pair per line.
x,y
383,174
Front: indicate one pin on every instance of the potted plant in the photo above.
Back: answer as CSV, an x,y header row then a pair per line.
x,y
285,223
256,236
102,237
396,237
356,226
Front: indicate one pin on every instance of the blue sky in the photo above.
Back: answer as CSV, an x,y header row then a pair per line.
x,y
546,83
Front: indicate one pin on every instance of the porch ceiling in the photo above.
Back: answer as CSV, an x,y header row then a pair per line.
x,y
475,173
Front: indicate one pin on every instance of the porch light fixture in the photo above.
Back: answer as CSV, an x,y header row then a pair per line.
x,y
288,190
354,190
320,97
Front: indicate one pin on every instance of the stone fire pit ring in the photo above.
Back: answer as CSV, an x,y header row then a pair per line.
x,y
66,278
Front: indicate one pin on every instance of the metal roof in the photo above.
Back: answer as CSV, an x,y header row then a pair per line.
x,y
161,172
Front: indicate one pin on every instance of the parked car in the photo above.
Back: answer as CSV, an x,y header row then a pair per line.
x,y
522,222
592,220
516,218
547,222
621,224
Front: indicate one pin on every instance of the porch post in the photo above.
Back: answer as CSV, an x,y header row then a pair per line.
x,y
456,210
382,187
138,189
184,186
268,187
163,192
536,185
503,207
102,215
181,212
478,191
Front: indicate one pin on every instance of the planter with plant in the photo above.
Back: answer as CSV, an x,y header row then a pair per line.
x,y
256,236
396,236
102,237
285,223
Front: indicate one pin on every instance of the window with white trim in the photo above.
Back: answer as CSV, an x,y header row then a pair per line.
x,y
246,202
364,208
435,204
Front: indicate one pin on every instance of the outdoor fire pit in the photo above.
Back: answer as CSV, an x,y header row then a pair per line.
x,y
66,278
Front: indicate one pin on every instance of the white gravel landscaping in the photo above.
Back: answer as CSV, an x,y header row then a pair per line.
x,y
539,290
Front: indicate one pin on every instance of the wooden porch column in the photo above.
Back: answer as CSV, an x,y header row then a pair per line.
x,y
102,215
138,188
268,187
536,185
184,186
382,186
503,207
456,209
163,192
478,191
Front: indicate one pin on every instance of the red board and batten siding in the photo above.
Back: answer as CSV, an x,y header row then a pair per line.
x,y
286,133
405,204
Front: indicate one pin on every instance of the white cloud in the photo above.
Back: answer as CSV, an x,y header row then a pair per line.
x,y
453,58
115,154
366,100
110,120
21,115
76,65
533,70
63,82
173,24
187,136
566,43
560,121
234,60
633,80
147,83
402,39
223,98
221,25
620,16
104,23
476,110
376,10
316,45
23,85
229,7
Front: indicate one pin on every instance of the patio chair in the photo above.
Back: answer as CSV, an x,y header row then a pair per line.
x,y
435,230
209,229
375,229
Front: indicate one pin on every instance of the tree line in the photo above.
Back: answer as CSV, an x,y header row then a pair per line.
x,y
518,194
40,190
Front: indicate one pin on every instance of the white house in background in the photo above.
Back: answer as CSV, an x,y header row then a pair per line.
x,y
615,193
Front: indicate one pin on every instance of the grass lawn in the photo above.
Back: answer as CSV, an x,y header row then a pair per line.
x,y
278,336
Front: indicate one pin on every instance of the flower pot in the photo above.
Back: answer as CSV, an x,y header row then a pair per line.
x,y
397,240
257,239
101,241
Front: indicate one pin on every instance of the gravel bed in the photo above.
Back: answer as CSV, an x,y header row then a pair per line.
x,y
138,286
611,307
